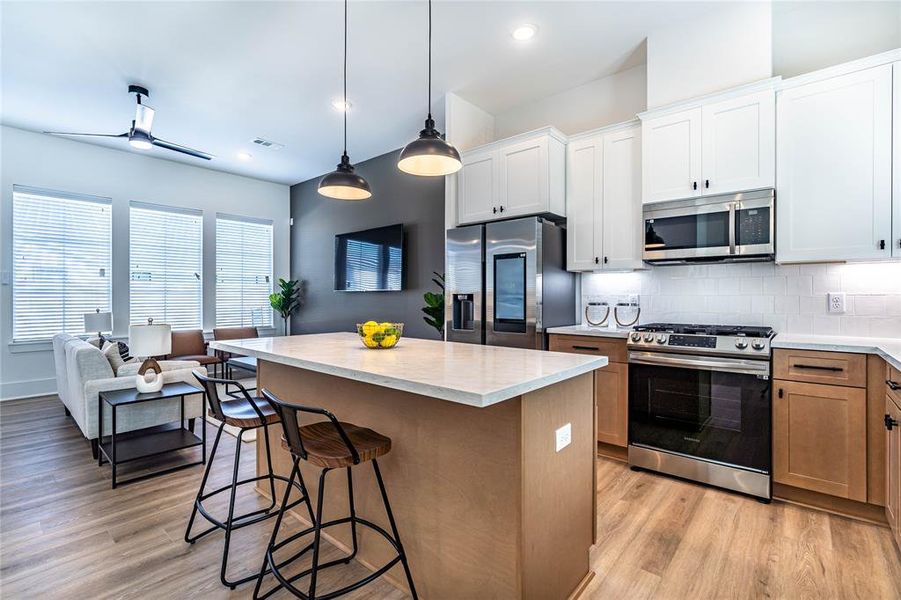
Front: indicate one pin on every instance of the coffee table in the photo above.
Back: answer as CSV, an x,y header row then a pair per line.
x,y
126,447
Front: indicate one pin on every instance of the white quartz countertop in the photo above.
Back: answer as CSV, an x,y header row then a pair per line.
x,y
887,348
464,373
586,330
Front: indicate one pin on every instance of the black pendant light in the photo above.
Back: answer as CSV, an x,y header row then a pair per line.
x,y
343,183
429,155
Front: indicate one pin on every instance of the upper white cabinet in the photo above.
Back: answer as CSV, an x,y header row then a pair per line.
x,y
671,156
896,163
523,175
603,200
834,171
715,145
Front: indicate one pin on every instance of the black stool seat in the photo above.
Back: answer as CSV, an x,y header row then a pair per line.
x,y
325,448
247,412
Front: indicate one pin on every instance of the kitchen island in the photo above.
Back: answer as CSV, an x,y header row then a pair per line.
x,y
490,502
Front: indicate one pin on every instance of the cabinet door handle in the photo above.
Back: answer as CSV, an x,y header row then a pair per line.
x,y
890,422
494,210
593,348
596,260
694,185
605,260
882,244
706,183
818,368
893,385
780,392
502,209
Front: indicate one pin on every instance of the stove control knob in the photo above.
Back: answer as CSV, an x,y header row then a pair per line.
x,y
635,337
741,344
649,337
758,344
661,339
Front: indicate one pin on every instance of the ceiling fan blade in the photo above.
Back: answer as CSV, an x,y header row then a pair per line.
x,y
108,135
182,149
143,117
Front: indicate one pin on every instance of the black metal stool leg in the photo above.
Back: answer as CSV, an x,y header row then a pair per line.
x,y
353,513
400,546
265,431
206,474
317,531
231,513
267,556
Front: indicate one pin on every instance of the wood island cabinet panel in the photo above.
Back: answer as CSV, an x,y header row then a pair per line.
x,y
611,385
820,438
813,366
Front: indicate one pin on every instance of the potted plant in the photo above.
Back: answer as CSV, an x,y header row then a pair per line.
x,y
434,308
287,299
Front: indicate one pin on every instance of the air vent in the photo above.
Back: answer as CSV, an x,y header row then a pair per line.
x,y
267,144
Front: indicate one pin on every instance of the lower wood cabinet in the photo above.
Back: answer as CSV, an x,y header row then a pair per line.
x,y
893,463
820,438
611,385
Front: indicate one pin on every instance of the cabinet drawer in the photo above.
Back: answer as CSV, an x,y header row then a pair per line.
x,y
836,368
614,349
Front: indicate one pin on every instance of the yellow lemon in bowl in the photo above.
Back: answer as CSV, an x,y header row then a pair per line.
x,y
380,335
370,343
388,341
369,328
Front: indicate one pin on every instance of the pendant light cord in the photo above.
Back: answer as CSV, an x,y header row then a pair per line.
x,y
345,78
429,99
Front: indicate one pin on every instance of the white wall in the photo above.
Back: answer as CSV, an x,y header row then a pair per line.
x,y
812,35
605,101
789,298
42,161
729,46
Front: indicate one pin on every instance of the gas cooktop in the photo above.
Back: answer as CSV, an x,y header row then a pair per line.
x,y
719,340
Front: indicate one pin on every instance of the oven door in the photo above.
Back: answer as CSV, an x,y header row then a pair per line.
x,y
717,409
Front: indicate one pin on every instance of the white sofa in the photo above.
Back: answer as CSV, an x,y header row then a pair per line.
x,y
82,372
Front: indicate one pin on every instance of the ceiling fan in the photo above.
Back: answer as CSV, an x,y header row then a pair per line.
x,y
139,135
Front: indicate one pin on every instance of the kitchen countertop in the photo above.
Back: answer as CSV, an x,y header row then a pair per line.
x,y
887,348
586,330
464,373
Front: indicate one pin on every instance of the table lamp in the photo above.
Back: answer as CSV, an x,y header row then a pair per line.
x,y
99,322
147,341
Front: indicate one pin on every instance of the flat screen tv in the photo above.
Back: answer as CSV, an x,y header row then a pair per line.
x,y
370,260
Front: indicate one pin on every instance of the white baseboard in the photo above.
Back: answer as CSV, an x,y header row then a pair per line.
x,y
14,390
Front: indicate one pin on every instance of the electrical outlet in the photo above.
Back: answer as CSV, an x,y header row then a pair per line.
x,y
836,302
564,436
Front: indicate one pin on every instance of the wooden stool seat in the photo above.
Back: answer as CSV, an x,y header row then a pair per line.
x,y
325,448
240,413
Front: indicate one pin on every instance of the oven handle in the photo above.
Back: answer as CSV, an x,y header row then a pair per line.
x,y
728,365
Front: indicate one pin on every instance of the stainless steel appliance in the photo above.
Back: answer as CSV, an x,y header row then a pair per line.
x,y
699,404
730,228
506,282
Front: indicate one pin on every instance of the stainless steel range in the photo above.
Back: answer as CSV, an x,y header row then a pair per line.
x,y
699,404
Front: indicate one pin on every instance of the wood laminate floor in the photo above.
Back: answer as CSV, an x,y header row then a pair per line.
x,y
65,534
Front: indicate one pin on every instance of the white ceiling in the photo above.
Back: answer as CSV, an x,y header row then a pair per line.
x,y
221,74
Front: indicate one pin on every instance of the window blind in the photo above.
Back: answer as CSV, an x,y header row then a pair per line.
x,y
165,266
243,272
61,261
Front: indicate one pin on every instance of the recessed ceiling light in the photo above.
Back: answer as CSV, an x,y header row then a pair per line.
x,y
524,32
245,156
340,105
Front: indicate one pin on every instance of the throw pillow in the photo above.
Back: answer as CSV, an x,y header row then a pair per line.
x,y
123,351
95,341
111,352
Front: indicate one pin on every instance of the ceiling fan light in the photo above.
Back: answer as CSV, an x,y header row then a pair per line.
x,y
344,184
140,140
429,155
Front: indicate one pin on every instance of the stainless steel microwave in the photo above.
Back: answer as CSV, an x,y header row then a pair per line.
x,y
734,227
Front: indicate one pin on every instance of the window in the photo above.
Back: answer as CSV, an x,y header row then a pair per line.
x,y
243,272
61,261
165,273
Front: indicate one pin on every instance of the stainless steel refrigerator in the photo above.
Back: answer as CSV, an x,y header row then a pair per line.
x,y
507,282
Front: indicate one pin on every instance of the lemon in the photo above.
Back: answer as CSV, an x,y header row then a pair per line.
x,y
388,341
386,327
370,343
369,328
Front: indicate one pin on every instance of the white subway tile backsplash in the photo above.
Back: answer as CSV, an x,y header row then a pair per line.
x,y
785,297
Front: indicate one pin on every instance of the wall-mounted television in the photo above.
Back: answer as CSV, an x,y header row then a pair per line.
x,y
370,260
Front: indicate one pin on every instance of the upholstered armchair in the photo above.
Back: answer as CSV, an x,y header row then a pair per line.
x,y
190,345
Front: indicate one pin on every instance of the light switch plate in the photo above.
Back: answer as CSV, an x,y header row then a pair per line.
x,y
564,436
836,302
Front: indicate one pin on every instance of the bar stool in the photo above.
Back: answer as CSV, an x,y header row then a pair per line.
x,y
244,413
330,444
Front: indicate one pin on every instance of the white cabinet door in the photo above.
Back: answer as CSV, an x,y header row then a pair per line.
x,y
738,152
896,164
583,203
523,177
671,156
476,187
834,168
622,226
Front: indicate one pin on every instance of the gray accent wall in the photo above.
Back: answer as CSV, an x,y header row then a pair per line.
x,y
417,202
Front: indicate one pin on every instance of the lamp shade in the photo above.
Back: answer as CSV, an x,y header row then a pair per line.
x,y
429,155
344,184
98,321
149,340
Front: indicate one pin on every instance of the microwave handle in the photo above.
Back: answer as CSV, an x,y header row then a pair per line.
x,y
732,219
